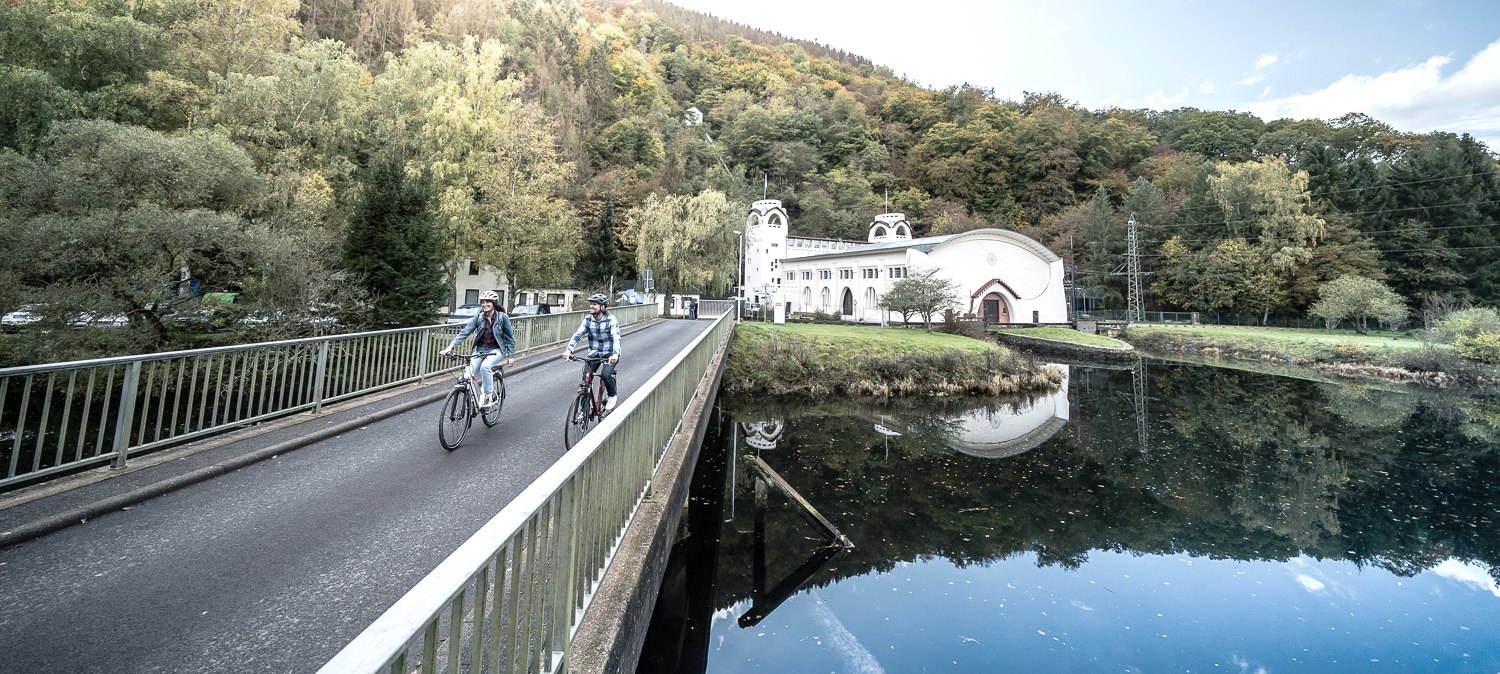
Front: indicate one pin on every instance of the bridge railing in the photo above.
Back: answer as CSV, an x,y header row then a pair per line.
x,y
708,308
509,599
66,416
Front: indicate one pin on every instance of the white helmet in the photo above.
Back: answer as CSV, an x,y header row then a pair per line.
x,y
490,295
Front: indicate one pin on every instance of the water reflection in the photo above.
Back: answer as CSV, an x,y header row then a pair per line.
x,y
1274,522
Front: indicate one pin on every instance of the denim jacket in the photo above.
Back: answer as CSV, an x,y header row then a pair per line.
x,y
504,335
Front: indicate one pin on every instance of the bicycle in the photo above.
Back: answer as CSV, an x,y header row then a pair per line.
x,y
462,405
588,408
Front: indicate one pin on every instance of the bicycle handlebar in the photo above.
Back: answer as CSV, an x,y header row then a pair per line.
x,y
586,359
466,356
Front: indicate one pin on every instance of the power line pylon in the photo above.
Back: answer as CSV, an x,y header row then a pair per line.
x,y
1133,309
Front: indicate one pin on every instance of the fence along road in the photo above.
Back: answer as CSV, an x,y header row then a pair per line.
x,y
275,567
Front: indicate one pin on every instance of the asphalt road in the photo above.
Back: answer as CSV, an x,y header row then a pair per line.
x,y
276,566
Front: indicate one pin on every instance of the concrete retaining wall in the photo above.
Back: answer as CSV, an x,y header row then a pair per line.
x,y
1073,352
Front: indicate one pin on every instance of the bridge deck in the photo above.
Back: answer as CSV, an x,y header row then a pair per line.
x,y
274,567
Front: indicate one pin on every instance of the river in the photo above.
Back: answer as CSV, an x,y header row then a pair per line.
x,y
1166,518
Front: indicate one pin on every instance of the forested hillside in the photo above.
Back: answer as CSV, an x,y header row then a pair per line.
x,y
340,156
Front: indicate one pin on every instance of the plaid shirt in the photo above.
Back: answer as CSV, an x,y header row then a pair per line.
x,y
603,334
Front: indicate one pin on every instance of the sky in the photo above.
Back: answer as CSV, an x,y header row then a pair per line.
x,y
1417,65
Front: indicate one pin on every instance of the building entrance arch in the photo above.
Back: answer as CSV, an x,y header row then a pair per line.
x,y
848,303
994,309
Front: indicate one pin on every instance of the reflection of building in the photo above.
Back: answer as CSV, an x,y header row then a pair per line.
x,y
762,435
1011,429
1001,275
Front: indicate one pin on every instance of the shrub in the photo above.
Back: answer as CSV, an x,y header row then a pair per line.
x,y
1350,351
954,325
1429,358
1468,323
1357,299
1483,347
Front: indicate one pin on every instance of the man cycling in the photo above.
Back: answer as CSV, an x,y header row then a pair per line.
x,y
603,332
494,337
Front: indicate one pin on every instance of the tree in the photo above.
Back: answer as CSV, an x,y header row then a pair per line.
x,y
687,242
1232,276
229,36
1357,299
122,219
393,246
527,230
601,259
922,293
1104,243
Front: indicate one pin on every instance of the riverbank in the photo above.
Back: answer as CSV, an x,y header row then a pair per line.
x,y
822,359
1067,344
1396,358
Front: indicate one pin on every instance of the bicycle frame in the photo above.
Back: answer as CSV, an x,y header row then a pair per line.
x,y
463,402
591,388
593,385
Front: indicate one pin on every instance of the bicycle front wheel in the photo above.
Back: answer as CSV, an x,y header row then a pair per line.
x,y
580,417
491,415
454,420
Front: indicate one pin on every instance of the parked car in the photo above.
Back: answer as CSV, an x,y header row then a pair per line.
x,y
531,309
93,320
20,318
28,315
630,297
463,313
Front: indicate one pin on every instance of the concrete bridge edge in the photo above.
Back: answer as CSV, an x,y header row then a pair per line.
x,y
613,629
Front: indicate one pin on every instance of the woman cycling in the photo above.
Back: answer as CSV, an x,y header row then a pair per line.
x,y
493,337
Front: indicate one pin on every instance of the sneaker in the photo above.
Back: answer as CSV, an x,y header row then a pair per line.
x,y
609,402
489,400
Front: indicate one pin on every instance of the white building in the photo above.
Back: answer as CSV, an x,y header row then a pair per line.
x,y
474,278
1003,276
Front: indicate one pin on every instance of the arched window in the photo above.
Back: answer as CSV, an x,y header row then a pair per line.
x,y
806,299
869,304
826,302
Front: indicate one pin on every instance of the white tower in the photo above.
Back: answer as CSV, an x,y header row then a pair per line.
x,y
890,227
765,247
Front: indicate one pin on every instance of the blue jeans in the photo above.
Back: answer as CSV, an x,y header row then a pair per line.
x,y
483,369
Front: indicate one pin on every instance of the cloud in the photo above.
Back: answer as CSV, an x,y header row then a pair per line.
x,y
856,657
1309,583
1266,60
1418,98
1207,87
1251,80
1467,573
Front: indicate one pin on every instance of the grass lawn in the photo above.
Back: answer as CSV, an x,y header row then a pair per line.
x,y
1068,335
856,338
819,359
1386,340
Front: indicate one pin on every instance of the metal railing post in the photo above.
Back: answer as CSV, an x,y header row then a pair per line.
x,y
318,375
125,418
422,356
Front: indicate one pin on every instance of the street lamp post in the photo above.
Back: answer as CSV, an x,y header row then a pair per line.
x,y
739,272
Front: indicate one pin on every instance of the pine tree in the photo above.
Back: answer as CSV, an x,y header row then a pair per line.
x,y
601,260
1104,239
393,246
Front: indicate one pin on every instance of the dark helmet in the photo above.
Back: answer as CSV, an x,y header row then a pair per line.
x,y
599,298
